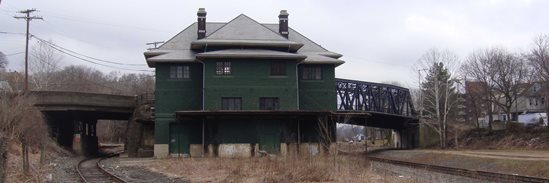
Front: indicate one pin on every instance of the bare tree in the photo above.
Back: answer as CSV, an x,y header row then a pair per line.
x,y
539,59
503,75
478,67
511,75
20,121
438,90
44,62
3,61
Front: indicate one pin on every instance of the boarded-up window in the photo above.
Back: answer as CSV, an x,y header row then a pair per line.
x,y
180,72
231,103
278,69
268,103
311,73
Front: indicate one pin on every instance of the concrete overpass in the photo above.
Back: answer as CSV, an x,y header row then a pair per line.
x,y
70,112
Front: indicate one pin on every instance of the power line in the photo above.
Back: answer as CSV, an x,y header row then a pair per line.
x,y
87,60
56,67
17,33
89,57
11,54
80,20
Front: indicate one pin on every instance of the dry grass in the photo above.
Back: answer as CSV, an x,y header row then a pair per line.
x,y
37,172
347,168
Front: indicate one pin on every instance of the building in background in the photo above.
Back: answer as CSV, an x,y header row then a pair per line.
x,y
528,108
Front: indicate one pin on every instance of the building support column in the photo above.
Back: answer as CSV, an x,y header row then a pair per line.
x,y
203,144
298,135
88,137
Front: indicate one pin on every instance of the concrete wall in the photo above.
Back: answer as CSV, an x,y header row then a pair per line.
x,y
235,150
60,99
161,150
406,138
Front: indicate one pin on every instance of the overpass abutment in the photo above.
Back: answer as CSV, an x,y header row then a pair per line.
x,y
406,138
89,143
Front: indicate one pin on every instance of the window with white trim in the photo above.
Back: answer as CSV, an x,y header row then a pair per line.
x,y
223,68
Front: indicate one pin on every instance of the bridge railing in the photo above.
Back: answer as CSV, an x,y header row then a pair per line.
x,y
375,97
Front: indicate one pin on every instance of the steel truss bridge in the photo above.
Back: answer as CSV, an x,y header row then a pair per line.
x,y
387,106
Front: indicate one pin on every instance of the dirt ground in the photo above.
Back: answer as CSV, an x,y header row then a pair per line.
x,y
343,168
531,163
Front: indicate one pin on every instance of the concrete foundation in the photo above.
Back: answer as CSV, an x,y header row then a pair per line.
x,y
256,150
196,150
77,144
283,149
293,149
161,150
245,150
235,150
311,149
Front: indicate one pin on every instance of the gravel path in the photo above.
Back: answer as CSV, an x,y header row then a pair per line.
x,y
62,169
130,169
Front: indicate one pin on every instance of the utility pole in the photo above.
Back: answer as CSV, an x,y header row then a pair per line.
x,y
155,44
28,18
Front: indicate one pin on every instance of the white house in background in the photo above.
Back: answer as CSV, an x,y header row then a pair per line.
x,y
528,108
533,118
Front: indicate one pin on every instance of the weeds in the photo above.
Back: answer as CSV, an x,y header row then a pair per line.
x,y
349,168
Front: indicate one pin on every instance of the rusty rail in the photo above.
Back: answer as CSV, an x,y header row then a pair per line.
x,y
106,174
476,174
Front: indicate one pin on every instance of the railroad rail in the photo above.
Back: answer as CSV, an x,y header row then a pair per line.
x,y
476,174
93,172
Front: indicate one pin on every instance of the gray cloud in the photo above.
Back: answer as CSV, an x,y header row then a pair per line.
x,y
380,40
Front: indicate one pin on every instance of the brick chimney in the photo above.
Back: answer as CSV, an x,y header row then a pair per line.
x,y
201,23
283,23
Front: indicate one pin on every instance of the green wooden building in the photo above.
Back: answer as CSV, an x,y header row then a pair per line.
x,y
242,88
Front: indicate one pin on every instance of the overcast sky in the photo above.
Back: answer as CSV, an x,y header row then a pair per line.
x,y
380,40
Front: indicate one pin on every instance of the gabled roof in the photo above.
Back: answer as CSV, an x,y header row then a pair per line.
x,y
241,31
244,31
244,28
183,39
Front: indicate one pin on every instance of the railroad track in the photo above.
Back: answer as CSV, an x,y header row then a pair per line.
x,y
91,172
476,174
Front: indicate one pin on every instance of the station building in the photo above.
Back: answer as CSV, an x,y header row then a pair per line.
x,y
243,88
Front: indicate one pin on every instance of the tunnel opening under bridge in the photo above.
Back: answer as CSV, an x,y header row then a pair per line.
x,y
77,130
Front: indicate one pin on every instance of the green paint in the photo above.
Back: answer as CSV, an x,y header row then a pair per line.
x,y
250,80
172,95
318,94
179,141
269,135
